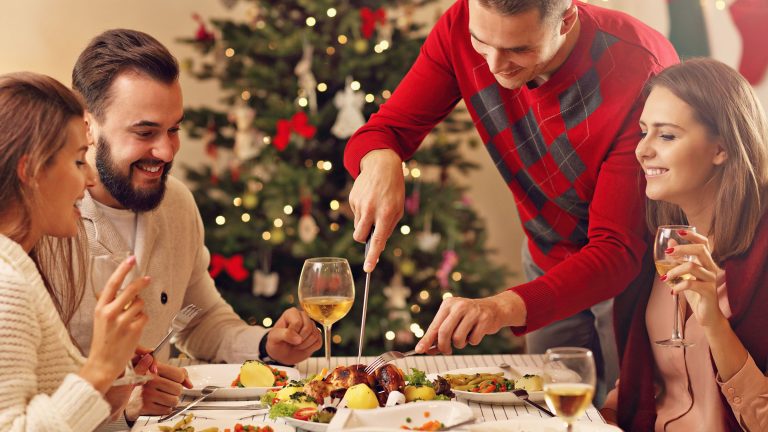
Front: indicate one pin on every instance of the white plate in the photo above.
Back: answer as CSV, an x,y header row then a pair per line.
x,y
501,398
392,418
220,423
222,375
533,424
306,425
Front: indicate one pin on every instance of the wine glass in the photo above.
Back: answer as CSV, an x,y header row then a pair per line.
x,y
668,236
101,269
569,382
326,293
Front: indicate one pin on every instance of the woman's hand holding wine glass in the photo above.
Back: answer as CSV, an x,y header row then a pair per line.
x,y
118,322
700,290
668,238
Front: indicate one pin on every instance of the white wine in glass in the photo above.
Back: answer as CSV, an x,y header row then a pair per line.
x,y
668,236
101,268
326,293
569,382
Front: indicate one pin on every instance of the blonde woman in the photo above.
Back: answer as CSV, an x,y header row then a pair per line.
x,y
45,383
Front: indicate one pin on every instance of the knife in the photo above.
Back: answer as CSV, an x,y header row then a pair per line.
x,y
365,298
228,407
204,393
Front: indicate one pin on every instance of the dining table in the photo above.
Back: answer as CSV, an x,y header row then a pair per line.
x,y
431,364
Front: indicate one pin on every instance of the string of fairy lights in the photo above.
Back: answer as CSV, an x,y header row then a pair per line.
x,y
246,201
410,170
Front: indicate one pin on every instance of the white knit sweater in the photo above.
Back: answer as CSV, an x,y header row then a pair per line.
x,y
39,388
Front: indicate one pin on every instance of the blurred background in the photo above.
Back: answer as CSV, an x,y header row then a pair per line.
x,y
272,91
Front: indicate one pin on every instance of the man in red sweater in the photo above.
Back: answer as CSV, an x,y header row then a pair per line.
x,y
554,88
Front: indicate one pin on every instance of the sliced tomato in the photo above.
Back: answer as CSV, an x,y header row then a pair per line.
x,y
304,413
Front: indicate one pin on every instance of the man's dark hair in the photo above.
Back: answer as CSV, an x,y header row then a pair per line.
x,y
548,9
116,51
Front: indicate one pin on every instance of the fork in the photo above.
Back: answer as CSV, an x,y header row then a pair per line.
x,y
182,318
523,396
390,356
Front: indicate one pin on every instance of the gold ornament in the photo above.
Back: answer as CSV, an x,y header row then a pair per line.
x,y
407,267
361,46
278,236
250,201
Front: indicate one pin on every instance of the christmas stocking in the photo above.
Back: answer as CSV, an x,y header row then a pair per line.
x,y
687,29
751,18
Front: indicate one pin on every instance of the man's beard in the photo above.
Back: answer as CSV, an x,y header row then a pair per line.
x,y
119,185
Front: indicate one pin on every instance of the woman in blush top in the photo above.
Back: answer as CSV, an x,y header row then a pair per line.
x,y
704,154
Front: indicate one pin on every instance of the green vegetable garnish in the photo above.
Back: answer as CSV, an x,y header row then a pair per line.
x,y
282,409
417,378
268,397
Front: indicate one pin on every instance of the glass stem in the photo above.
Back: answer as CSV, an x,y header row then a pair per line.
x,y
327,333
676,319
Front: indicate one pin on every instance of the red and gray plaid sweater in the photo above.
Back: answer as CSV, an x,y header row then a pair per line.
x,y
566,148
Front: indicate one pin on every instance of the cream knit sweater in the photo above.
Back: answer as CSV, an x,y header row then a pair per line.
x,y
39,388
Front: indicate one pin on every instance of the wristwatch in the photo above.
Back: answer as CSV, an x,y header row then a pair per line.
x,y
263,355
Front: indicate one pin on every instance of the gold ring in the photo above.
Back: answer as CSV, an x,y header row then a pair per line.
x,y
128,305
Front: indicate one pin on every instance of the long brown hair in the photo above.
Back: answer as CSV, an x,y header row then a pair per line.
x,y
724,102
35,111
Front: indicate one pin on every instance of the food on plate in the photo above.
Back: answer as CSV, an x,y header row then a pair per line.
x,y
249,428
432,425
271,398
304,413
288,407
254,373
324,415
386,379
185,425
422,393
361,396
419,388
316,415
315,399
492,382
530,383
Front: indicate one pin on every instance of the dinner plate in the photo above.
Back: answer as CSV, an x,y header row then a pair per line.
x,y
393,418
200,423
535,424
304,425
499,398
222,375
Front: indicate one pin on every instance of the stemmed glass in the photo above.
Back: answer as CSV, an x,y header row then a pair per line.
x,y
668,236
101,269
326,293
569,382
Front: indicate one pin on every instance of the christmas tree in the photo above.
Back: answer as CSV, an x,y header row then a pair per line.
x,y
299,78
